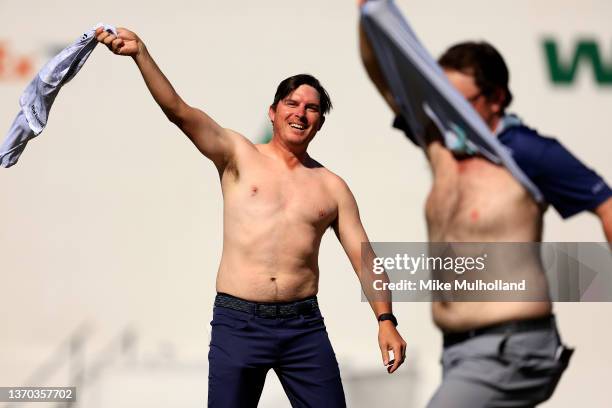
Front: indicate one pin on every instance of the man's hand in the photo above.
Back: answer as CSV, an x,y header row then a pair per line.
x,y
124,43
389,339
210,138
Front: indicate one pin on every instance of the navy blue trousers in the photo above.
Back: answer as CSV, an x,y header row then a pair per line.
x,y
244,347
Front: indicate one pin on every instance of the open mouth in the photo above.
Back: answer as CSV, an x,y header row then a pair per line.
x,y
297,126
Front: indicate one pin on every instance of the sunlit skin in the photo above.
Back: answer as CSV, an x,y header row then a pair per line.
x,y
296,120
474,200
277,200
512,217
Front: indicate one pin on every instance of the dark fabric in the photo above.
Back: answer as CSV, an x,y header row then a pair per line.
x,y
244,347
566,183
517,326
400,123
268,310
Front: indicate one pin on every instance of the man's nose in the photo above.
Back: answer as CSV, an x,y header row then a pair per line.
x,y
300,111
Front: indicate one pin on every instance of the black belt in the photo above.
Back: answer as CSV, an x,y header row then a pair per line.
x,y
268,310
517,326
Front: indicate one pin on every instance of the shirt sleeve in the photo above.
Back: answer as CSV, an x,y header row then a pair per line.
x,y
400,123
567,184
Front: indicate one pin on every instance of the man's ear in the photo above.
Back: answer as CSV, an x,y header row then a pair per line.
x,y
321,123
271,113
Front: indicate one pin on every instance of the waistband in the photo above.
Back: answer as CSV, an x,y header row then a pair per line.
x,y
269,310
516,326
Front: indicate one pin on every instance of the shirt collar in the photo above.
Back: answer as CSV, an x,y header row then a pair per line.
x,y
506,122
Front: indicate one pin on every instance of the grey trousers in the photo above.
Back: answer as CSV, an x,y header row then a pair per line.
x,y
501,370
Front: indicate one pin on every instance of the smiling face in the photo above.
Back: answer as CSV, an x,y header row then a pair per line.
x,y
297,118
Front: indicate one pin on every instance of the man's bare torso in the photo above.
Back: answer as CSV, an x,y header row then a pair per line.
x,y
274,219
473,200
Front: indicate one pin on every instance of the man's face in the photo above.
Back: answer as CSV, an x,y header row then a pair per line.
x,y
488,109
297,117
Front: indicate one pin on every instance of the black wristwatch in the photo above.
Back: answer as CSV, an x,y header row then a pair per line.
x,y
388,316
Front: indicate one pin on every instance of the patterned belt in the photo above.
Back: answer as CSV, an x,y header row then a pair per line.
x,y
268,310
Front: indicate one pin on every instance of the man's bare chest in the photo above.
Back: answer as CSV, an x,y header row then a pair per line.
x,y
287,197
481,195
480,179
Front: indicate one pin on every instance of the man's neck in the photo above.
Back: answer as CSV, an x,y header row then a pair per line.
x,y
291,156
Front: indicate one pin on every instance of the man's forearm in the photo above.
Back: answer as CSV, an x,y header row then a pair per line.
x,y
604,212
607,227
380,307
380,300
161,89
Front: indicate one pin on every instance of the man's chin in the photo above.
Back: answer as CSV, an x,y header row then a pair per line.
x,y
298,141
299,133
299,137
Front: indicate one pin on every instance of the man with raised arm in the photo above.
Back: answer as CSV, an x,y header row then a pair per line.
x,y
278,202
496,353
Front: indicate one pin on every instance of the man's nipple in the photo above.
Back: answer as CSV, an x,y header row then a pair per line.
x,y
474,215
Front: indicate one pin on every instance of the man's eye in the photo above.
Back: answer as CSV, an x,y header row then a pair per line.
x,y
290,103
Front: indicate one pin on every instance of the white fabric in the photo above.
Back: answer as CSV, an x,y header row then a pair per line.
x,y
38,97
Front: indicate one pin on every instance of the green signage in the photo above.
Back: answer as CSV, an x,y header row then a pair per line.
x,y
585,52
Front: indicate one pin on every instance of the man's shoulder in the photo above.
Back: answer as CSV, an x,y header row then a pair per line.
x,y
244,149
329,177
523,135
238,138
334,183
525,143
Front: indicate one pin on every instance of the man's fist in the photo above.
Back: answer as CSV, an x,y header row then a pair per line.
x,y
124,43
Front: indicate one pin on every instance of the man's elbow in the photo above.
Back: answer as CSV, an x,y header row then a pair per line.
x,y
607,227
604,212
176,113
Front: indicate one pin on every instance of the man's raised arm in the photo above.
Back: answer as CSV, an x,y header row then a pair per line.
x,y
432,135
211,139
372,68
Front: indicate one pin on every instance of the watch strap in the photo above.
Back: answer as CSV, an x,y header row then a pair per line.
x,y
388,316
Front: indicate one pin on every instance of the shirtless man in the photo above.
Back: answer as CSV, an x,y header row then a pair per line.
x,y
278,202
496,353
